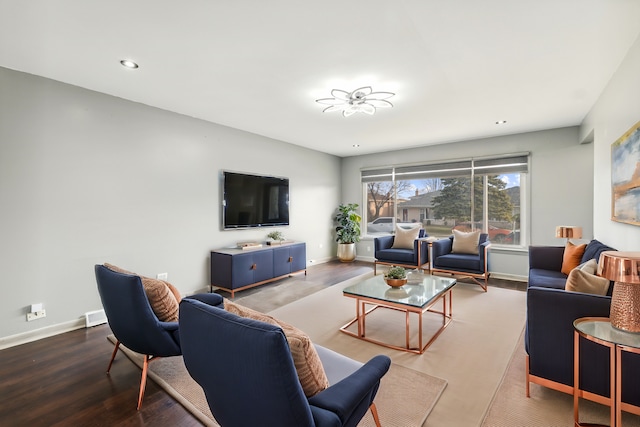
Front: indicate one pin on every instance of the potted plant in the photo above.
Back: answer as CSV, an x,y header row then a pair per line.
x,y
396,277
276,236
347,231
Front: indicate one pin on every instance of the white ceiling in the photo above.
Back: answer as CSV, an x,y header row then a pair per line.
x,y
456,66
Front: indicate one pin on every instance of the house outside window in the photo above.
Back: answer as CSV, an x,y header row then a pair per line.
x,y
471,194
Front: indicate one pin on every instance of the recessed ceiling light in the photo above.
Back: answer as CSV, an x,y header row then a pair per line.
x,y
129,64
501,122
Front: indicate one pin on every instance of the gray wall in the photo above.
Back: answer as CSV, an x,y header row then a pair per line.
x,y
87,178
560,181
615,112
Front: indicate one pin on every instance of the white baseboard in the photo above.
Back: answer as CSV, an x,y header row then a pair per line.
x,y
38,334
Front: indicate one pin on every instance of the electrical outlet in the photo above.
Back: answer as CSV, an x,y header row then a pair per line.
x,y
163,276
36,315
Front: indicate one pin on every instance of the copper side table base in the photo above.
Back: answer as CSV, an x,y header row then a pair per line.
x,y
361,314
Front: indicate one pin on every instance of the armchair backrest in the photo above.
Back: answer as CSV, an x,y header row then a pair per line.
x,y
244,366
130,315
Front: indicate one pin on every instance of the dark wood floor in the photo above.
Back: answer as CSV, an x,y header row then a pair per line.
x,y
62,380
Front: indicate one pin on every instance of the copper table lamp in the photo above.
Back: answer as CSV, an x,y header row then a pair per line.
x,y
624,269
569,232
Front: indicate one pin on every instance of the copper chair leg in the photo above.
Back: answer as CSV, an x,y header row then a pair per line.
x,y
143,380
113,355
374,412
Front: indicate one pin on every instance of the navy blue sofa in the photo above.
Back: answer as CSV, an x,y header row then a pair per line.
x,y
549,330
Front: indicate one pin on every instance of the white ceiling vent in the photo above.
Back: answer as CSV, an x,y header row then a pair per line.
x,y
94,318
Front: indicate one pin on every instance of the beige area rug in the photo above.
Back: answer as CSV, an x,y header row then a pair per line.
x,y
471,354
396,397
267,298
545,407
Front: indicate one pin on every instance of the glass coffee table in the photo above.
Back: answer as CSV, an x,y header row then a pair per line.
x,y
420,294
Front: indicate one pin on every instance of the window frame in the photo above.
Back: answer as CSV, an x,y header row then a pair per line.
x,y
500,165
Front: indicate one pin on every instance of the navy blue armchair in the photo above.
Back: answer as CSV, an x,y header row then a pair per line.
x,y
237,359
133,321
465,265
386,254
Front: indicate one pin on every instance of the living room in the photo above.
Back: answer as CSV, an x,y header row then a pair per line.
x,y
89,178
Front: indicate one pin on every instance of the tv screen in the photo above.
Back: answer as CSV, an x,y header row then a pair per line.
x,y
254,200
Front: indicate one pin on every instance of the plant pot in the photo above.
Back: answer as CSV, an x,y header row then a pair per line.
x,y
396,283
346,252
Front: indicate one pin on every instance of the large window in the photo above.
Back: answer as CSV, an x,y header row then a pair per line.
x,y
469,194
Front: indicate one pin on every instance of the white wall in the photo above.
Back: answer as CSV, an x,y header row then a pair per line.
x,y
87,178
615,112
560,181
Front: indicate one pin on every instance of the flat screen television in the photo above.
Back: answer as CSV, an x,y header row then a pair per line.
x,y
254,200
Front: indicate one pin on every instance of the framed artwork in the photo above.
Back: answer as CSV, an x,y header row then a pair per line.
x,y
625,177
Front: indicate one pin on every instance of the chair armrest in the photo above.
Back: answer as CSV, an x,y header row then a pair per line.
x,y
546,257
383,242
214,300
549,329
168,326
347,395
441,247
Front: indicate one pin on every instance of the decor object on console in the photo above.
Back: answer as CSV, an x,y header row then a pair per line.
x,y
347,231
624,269
460,255
396,277
568,232
625,177
408,248
361,100
239,359
133,321
276,237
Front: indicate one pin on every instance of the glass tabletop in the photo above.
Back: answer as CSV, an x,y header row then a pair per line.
x,y
419,290
601,329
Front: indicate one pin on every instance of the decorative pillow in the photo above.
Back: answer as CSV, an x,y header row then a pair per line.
x,y
163,297
572,257
582,281
405,237
311,373
466,242
590,266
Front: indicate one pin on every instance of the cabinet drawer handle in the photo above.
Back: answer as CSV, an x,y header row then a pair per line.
x,y
253,266
290,259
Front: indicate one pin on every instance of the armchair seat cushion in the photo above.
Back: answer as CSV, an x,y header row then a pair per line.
x,y
460,262
399,255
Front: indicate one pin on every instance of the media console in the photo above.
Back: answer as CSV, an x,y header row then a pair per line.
x,y
236,269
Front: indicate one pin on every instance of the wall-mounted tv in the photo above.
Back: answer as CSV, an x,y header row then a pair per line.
x,y
254,200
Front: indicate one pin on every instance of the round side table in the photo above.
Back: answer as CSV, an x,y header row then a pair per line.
x,y
600,331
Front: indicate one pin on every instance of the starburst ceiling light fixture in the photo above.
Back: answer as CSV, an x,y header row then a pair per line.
x,y
361,100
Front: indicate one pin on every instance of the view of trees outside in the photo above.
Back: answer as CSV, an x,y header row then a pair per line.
x,y
441,204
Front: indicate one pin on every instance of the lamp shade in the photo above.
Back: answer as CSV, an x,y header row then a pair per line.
x,y
569,232
620,266
624,269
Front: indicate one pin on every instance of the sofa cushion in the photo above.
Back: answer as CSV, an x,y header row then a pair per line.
x,y
585,282
590,266
404,237
305,357
594,249
572,257
542,278
163,297
465,242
